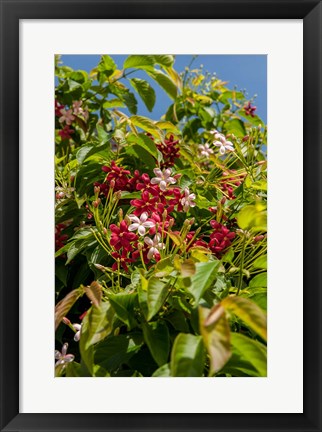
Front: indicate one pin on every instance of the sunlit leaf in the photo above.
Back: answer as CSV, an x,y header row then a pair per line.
x,y
187,356
249,312
215,332
145,91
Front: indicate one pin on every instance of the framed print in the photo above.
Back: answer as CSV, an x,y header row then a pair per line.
x,y
182,291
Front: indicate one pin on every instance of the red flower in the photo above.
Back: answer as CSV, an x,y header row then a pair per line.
x,y
66,132
121,237
250,109
119,175
123,259
169,150
145,204
220,238
60,239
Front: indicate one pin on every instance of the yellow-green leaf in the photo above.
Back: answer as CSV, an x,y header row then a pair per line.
x,y
249,312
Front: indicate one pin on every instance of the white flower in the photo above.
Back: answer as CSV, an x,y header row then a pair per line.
x,y
141,224
155,245
163,179
78,328
66,116
187,200
77,107
223,144
62,357
205,150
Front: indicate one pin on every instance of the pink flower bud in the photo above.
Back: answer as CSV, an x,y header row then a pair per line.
x,y
66,321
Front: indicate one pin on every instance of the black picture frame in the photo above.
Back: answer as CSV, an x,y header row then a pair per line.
x,y
11,12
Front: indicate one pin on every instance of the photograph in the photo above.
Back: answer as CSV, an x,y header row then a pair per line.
x,y
160,215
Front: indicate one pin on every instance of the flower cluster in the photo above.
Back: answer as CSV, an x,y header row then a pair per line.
x,y
170,151
60,239
220,238
67,116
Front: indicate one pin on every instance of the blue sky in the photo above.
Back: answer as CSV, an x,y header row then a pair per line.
x,y
243,71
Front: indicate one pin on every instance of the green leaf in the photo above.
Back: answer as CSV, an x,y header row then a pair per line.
x,y
115,351
156,336
138,61
163,371
143,155
164,82
157,292
255,121
146,143
235,127
237,366
252,351
98,324
124,304
145,91
259,280
253,217
215,331
260,262
113,103
106,65
204,277
168,126
130,101
187,356
164,59
146,124
249,312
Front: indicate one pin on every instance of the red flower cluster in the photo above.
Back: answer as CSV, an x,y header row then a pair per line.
x,y
124,242
169,150
120,179
66,132
60,239
220,238
250,109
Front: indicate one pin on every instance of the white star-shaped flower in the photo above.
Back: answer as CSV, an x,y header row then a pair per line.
x,y
205,150
155,245
223,144
140,224
163,179
66,116
62,357
187,200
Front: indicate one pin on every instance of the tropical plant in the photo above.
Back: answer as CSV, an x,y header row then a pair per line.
x,y
160,225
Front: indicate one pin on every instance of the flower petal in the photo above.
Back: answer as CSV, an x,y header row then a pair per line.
x,y
133,227
141,230
148,241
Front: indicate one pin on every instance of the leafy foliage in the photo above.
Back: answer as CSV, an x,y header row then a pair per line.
x,y
161,263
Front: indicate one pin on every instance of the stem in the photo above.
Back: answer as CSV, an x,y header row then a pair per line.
x,y
240,280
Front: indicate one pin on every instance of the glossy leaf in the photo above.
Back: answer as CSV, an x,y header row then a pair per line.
x,y
252,351
203,279
157,292
249,312
145,91
187,356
